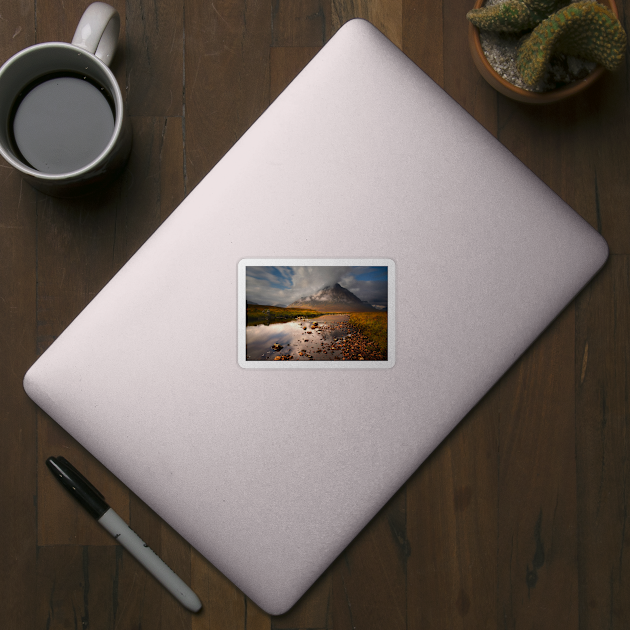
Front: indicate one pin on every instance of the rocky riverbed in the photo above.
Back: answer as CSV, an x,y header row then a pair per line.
x,y
326,338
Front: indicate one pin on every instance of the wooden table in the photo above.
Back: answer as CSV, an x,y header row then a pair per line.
x,y
518,520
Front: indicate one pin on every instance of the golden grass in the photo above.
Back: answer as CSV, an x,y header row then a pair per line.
x,y
373,326
260,314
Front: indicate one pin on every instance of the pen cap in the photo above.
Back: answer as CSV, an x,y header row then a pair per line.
x,y
78,486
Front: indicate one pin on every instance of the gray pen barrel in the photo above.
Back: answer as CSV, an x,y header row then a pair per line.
x,y
149,559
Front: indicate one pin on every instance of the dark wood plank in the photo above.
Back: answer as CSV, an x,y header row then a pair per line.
x,y
74,257
558,147
461,78
304,23
224,606
285,64
74,249
569,145
57,22
575,147
152,185
386,15
312,611
18,416
603,444
171,159
452,527
76,587
255,618
608,125
17,27
226,78
154,57
143,600
422,36
60,519
73,235
537,538
369,587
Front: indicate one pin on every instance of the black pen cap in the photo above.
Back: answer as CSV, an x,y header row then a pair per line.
x,y
78,486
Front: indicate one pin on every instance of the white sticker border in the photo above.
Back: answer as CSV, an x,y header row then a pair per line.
x,y
316,262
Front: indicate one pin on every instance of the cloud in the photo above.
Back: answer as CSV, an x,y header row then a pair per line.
x,y
283,285
309,280
372,291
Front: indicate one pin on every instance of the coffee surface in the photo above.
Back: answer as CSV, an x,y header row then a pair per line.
x,y
62,124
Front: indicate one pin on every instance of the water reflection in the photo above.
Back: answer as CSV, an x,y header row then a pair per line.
x,y
298,338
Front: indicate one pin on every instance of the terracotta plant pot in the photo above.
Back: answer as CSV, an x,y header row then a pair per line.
x,y
518,94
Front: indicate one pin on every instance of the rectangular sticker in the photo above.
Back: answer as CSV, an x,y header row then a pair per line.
x,y
316,313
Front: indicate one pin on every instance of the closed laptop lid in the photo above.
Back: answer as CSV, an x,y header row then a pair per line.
x,y
270,468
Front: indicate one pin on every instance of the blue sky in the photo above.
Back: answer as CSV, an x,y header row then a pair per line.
x,y
276,286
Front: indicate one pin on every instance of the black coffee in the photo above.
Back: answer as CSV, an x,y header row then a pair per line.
x,y
62,123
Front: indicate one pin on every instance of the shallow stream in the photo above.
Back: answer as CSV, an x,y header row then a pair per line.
x,y
315,339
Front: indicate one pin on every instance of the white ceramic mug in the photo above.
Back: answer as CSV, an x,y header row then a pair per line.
x,y
86,59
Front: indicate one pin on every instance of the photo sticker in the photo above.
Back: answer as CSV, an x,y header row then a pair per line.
x,y
319,313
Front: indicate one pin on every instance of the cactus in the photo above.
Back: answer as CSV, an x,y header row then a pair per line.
x,y
583,29
513,16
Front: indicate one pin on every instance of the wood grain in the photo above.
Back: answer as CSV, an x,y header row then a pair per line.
x,y
85,236
153,606
285,64
226,78
369,577
452,517
60,520
602,381
537,537
518,520
313,609
18,324
224,606
154,57
151,187
422,36
57,22
18,416
461,79
76,587
386,15
609,135
305,23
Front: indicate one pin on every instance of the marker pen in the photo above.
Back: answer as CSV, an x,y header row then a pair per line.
x,y
94,502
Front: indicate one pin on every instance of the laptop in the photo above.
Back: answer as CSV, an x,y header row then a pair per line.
x,y
403,259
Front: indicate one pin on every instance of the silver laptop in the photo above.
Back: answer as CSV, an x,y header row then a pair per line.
x,y
364,190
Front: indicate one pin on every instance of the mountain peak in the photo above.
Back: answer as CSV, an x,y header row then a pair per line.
x,y
333,298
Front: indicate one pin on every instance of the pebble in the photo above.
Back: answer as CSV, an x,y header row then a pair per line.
x,y
347,345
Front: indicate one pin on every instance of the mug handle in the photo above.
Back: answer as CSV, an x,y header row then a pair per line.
x,y
98,30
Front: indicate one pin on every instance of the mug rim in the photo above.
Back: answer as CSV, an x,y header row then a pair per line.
x,y
118,122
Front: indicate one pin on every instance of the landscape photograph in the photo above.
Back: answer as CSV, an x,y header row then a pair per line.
x,y
316,313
